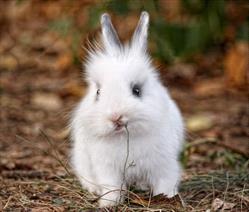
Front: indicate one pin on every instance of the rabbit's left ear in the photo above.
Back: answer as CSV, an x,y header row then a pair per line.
x,y
109,35
139,39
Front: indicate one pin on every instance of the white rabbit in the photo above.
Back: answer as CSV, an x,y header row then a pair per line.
x,y
125,100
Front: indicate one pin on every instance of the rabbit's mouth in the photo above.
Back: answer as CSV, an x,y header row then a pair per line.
x,y
121,125
118,129
112,132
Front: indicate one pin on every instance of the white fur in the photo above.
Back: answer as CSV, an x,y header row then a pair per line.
x,y
154,123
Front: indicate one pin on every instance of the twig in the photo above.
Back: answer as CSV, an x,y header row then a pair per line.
x,y
220,143
182,201
149,198
227,186
213,190
102,195
7,203
126,160
241,151
201,141
128,195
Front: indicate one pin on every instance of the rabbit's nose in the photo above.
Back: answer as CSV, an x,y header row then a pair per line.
x,y
118,120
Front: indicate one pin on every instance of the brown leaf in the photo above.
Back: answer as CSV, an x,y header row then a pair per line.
x,y
209,87
72,88
236,65
46,101
62,134
220,205
8,62
63,62
199,122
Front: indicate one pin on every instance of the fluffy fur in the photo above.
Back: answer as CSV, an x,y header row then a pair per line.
x,y
153,120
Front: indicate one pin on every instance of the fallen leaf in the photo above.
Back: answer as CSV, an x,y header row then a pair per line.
x,y
8,62
46,101
63,62
73,89
199,122
217,204
236,65
62,134
209,87
220,205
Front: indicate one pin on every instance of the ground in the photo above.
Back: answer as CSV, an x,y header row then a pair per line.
x,y
39,87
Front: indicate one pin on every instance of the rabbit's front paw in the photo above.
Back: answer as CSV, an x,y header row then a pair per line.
x,y
167,186
110,199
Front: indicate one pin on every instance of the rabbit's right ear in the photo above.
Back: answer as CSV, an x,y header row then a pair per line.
x,y
139,39
110,38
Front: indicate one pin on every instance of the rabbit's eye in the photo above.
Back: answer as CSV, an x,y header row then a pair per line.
x,y
97,94
136,90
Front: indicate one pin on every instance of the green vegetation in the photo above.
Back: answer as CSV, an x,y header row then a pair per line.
x,y
198,25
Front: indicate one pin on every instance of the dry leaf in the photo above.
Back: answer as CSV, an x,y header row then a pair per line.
x,y
220,205
237,66
46,101
199,122
62,134
209,87
8,62
63,62
73,89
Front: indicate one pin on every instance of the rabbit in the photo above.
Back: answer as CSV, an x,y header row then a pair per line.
x,y
127,129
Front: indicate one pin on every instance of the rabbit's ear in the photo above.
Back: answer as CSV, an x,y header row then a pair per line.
x,y
109,35
139,39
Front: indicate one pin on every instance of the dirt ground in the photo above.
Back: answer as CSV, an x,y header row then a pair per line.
x,y
39,86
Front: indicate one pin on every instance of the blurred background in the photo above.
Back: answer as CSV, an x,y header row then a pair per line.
x,y
200,48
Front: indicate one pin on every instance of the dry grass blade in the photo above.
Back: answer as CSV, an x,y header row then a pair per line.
x,y
55,155
205,188
126,161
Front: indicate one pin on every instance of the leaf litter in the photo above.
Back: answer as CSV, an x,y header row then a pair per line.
x,y
39,86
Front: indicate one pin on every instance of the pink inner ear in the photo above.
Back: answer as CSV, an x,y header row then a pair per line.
x,y
139,39
109,35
